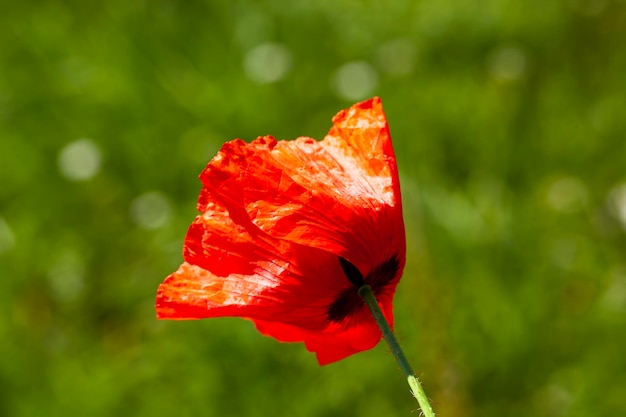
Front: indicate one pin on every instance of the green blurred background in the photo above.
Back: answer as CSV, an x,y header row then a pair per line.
x,y
509,123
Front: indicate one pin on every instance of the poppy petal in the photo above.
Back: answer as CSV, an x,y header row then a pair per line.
x,y
340,194
288,230
330,346
234,269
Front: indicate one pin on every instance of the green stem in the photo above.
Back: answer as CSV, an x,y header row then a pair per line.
x,y
416,388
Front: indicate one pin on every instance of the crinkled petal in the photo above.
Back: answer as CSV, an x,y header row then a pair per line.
x,y
337,343
276,217
235,269
340,195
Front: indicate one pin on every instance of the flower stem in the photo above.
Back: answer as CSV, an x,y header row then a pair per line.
x,y
416,388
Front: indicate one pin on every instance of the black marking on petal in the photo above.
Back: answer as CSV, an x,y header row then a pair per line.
x,y
348,301
352,272
383,274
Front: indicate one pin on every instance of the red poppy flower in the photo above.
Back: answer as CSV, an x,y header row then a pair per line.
x,y
288,232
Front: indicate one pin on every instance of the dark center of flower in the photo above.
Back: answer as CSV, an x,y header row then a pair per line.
x,y
348,301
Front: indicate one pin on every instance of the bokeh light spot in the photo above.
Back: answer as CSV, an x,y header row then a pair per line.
x,y
80,160
507,64
614,298
397,57
567,195
66,276
590,8
151,210
355,80
267,63
617,203
7,238
555,398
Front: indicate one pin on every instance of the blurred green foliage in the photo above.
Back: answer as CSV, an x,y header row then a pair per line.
x,y
508,123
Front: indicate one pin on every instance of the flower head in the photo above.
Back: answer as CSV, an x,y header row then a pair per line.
x,y
289,230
